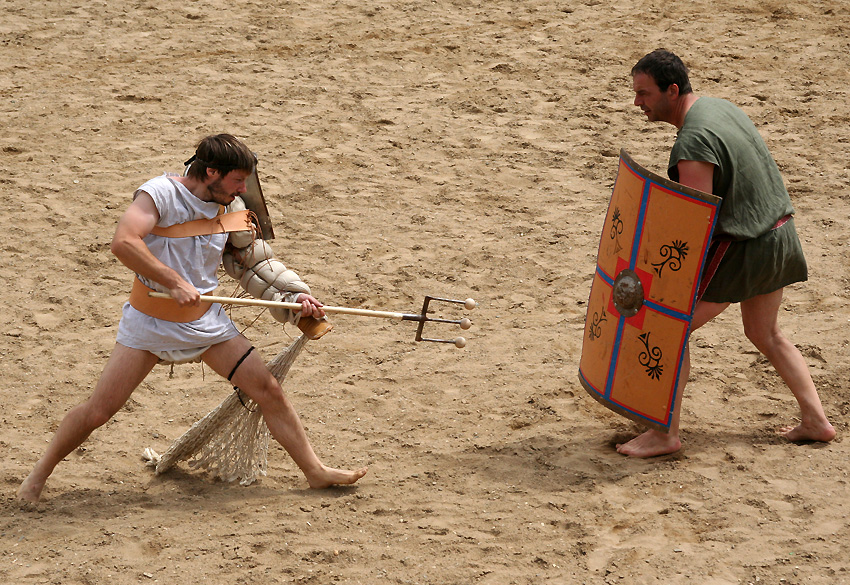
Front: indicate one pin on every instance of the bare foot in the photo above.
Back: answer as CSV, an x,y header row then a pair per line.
x,y
652,443
328,476
30,490
802,432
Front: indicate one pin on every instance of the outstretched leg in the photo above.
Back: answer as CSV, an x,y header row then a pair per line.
x,y
253,377
125,369
760,317
653,443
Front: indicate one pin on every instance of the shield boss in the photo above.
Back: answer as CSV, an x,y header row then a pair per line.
x,y
628,293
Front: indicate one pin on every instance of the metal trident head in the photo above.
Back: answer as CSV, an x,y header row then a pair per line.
x,y
422,318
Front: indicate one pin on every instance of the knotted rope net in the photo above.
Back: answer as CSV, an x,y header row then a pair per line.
x,y
232,441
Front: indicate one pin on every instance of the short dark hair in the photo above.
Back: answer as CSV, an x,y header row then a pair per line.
x,y
666,69
222,152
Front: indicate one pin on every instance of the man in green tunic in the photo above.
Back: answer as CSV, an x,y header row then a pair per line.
x,y
718,150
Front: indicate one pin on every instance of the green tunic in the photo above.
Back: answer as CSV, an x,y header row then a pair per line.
x,y
760,259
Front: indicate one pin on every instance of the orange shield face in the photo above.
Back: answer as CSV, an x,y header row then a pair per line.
x,y
651,254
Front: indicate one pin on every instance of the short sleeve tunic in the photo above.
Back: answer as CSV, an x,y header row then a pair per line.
x,y
760,259
194,258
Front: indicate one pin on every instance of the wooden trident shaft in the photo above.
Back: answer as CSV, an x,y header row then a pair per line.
x,y
422,318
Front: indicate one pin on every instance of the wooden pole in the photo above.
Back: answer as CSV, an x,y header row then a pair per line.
x,y
296,306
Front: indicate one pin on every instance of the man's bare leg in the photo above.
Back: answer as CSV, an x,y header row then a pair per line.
x,y
760,317
254,378
125,369
653,443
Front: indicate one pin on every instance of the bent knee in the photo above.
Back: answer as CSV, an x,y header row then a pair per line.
x,y
265,392
765,340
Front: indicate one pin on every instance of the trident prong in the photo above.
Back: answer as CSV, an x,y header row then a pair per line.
x,y
422,318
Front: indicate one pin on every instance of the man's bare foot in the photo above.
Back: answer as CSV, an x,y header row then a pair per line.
x,y
822,433
652,443
328,476
30,490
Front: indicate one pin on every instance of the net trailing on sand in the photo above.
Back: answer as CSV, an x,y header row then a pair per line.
x,y
232,441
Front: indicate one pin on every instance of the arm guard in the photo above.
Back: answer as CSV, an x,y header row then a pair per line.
x,y
263,276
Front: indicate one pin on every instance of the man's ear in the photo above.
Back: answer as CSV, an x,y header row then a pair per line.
x,y
212,173
673,90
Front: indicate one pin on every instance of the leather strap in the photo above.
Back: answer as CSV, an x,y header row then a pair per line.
x,y
239,363
236,221
314,328
164,309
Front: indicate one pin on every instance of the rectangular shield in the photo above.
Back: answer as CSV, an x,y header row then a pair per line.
x,y
653,248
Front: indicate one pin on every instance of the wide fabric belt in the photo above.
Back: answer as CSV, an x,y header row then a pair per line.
x,y
235,221
165,309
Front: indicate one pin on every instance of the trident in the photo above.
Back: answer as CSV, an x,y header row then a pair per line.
x,y
422,317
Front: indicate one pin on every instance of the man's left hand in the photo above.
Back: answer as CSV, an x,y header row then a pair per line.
x,y
310,307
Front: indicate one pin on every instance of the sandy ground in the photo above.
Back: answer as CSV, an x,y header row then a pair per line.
x,y
459,149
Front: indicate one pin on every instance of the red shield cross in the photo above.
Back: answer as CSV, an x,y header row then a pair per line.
x,y
651,254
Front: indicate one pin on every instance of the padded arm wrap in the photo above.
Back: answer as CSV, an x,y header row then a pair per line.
x,y
265,277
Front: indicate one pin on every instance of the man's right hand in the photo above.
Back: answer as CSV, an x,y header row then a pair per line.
x,y
186,295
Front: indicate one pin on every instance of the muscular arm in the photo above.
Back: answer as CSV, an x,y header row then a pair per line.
x,y
127,245
696,175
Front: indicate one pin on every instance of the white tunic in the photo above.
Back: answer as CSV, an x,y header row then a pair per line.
x,y
194,258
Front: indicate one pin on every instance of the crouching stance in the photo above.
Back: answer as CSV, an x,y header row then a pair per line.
x,y
149,241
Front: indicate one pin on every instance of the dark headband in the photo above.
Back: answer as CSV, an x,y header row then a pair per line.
x,y
195,158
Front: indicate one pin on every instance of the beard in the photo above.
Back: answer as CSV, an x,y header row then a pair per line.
x,y
219,195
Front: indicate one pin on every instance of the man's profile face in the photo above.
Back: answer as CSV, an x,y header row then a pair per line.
x,y
224,189
656,104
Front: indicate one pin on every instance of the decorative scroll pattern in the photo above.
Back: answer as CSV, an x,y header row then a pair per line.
x,y
650,358
616,230
596,324
672,255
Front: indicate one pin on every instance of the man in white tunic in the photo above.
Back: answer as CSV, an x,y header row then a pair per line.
x,y
185,267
